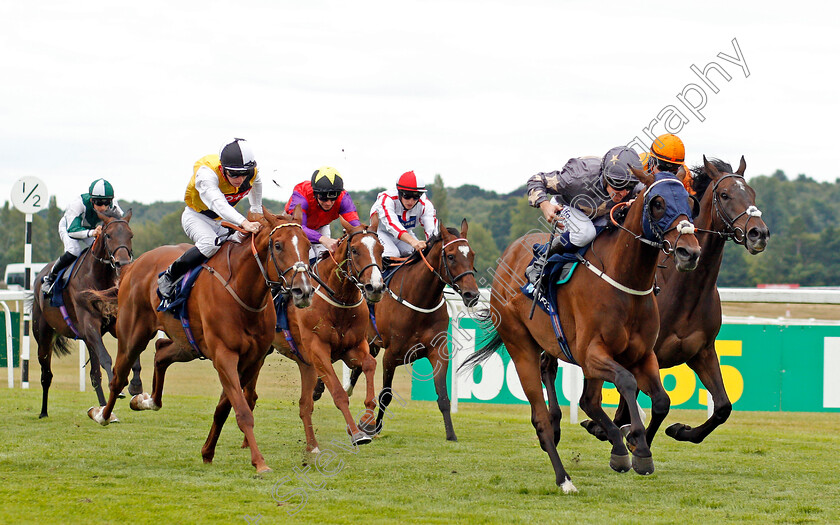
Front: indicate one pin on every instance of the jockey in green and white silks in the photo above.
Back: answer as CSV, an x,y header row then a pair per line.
x,y
80,225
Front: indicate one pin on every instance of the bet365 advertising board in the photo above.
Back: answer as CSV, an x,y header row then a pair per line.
x,y
768,367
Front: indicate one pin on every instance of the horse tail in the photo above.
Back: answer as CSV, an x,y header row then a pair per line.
x,y
488,346
61,345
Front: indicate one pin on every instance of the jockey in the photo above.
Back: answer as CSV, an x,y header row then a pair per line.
x,y
584,192
217,184
80,226
399,212
667,153
322,200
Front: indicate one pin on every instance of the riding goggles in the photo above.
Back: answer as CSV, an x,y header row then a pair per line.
x,y
240,172
101,202
327,195
410,195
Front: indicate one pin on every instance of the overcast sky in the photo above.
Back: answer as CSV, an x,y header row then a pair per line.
x,y
481,92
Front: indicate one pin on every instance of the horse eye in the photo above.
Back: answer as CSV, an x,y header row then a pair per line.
x,y
278,246
353,250
724,196
450,257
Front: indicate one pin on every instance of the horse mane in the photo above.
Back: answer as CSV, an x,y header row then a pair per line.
x,y
702,179
430,243
112,213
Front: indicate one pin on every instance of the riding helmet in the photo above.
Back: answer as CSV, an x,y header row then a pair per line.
x,y
326,179
409,181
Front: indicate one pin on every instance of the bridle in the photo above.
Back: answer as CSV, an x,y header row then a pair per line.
x,y
453,280
684,227
281,286
111,260
354,272
732,232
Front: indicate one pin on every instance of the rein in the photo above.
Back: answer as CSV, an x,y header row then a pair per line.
x,y
732,232
453,280
331,296
110,261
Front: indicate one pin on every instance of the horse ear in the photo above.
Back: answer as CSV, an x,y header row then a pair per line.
x,y
464,228
642,175
710,169
127,216
297,215
681,173
742,167
374,222
344,224
268,215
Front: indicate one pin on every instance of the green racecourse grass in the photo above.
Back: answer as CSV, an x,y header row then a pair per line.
x,y
757,468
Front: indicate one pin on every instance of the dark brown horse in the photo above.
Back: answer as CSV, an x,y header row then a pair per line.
x,y
412,319
609,316
230,311
334,328
689,306
98,269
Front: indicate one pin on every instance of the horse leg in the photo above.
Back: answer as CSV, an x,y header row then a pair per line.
x,y
44,335
320,353
622,418
443,392
226,363
603,367
706,365
360,358
166,353
136,385
356,373
649,381
250,392
526,359
308,377
548,372
389,365
590,402
208,451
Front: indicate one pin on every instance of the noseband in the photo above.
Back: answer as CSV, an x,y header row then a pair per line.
x,y
453,281
111,261
354,274
736,234
282,286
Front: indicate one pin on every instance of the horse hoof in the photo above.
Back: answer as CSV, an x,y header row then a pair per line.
x,y
360,438
370,430
625,430
121,395
643,466
568,487
143,401
452,438
620,463
42,415
594,429
95,413
677,430
113,418
264,469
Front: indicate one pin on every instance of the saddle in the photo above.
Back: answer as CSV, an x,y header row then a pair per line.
x,y
61,282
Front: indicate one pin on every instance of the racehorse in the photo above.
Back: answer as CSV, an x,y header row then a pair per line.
x,y
689,308
608,314
230,312
97,268
412,323
334,328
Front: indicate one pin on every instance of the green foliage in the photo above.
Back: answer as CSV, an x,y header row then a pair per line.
x,y
482,243
802,215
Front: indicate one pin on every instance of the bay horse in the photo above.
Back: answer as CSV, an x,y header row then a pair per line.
x,y
608,314
230,312
412,320
689,308
98,268
334,328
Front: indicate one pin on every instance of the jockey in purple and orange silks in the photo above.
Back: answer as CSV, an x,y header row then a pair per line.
x,y
322,200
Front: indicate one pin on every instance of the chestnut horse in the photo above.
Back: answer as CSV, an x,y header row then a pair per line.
x,y
689,308
609,316
413,321
97,269
230,310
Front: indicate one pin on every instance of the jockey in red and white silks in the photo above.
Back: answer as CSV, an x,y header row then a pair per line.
x,y
399,213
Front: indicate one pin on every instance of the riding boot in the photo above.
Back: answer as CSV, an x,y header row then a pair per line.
x,y
62,262
188,260
561,244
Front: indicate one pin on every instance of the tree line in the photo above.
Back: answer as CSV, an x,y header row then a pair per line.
x,y
804,222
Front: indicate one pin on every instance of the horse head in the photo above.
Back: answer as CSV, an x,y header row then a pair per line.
x,y
363,260
666,220
733,201
288,256
457,261
115,240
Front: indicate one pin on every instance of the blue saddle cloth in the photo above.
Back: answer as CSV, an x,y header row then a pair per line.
x,y
558,270
61,281
178,305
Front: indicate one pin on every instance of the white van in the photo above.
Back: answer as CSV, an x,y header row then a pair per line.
x,y
15,274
